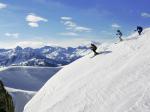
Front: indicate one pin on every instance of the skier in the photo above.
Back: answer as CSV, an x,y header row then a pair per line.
x,y
120,35
93,48
139,29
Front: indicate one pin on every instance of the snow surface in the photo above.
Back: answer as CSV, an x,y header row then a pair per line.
x,y
23,82
117,80
20,97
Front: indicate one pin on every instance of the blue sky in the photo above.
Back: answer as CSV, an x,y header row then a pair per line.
x,y
36,23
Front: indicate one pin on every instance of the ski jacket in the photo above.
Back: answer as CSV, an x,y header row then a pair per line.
x,y
119,33
93,47
139,28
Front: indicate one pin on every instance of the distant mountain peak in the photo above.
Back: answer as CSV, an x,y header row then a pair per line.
x,y
18,48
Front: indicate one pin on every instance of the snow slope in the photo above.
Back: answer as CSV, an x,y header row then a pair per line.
x,y
20,97
117,80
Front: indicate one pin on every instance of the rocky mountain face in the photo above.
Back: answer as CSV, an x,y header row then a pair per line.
x,y
6,103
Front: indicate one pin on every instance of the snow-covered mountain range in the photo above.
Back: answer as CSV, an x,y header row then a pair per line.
x,y
116,80
52,56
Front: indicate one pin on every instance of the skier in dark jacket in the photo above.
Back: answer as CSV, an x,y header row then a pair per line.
x,y
139,29
120,35
93,48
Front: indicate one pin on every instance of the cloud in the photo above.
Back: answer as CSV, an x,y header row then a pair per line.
x,y
33,20
70,24
30,43
66,18
73,42
82,29
12,35
115,25
2,5
146,15
33,24
69,34
22,43
74,27
13,44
